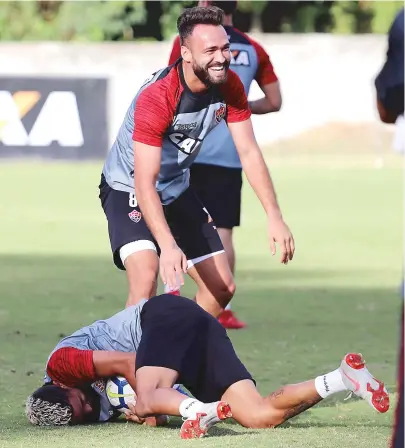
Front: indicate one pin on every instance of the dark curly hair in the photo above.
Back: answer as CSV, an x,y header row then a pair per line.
x,y
199,15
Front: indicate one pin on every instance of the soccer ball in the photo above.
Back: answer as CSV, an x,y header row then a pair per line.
x,y
120,393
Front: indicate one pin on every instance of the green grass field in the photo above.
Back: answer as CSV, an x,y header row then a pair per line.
x,y
340,294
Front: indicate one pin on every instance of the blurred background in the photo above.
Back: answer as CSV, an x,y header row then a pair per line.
x,y
69,70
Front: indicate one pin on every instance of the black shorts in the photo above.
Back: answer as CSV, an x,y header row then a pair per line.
x,y
220,190
179,335
191,226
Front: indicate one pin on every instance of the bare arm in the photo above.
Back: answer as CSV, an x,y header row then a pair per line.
x,y
254,166
109,363
271,102
147,167
259,178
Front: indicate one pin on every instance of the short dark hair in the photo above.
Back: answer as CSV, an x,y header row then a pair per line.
x,y
49,405
199,15
227,7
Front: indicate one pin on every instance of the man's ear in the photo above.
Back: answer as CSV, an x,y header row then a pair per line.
x,y
186,54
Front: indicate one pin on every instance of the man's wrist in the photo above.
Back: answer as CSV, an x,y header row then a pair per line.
x,y
274,213
167,242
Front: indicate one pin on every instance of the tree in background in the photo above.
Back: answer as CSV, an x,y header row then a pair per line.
x,y
128,20
69,20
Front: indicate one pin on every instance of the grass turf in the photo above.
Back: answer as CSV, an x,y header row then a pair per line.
x,y
340,294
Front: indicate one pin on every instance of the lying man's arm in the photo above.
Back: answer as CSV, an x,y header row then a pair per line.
x,y
71,367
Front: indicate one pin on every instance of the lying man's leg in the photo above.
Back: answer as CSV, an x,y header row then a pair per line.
x,y
172,350
156,396
252,410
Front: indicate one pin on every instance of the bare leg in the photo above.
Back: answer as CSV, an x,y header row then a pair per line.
x,y
154,392
252,410
141,269
227,241
215,283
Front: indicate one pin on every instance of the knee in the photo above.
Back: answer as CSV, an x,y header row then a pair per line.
x,y
263,417
224,292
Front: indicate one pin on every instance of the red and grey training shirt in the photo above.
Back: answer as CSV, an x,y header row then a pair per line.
x,y
166,113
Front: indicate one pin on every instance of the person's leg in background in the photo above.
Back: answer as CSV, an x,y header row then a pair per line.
x,y
219,189
228,318
196,235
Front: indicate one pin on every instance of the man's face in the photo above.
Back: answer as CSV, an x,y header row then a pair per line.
x,y
209,53
85,404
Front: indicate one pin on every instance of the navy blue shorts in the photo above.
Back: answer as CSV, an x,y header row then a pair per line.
x,y
179,335
221,193
191,226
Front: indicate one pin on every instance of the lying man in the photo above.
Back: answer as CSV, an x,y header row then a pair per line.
x,y
176,341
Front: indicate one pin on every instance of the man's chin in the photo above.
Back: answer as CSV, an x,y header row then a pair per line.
x,y
218,80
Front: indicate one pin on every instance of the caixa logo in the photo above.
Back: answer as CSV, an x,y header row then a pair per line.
x,y
185,144
56,121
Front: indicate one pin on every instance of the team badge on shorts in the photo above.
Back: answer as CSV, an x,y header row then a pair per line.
x,y
135,215
220,113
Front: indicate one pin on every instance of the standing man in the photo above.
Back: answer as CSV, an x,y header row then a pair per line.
x,y
219,161
144,188
390,105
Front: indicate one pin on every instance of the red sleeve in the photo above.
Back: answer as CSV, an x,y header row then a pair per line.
x,y
152,114
235,98
176,51
265,72
71,367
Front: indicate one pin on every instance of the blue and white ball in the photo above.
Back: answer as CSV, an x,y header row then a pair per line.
x,y
120,393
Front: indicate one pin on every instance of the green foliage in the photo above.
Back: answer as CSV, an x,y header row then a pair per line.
x,y
107,20
70,20
364,16
171,11
254,6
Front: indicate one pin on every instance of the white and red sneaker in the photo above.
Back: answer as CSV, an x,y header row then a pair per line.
x,y
359,380
198,426
229,320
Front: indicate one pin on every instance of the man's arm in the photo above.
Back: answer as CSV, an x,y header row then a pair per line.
x,y
271,102
258,175
267,80
147,167
153,115
72,367
254,166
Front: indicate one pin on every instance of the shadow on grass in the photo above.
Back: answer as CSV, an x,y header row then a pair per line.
x,y
293,333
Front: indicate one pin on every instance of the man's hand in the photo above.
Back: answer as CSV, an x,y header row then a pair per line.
x,y
158,420
173,263
280,233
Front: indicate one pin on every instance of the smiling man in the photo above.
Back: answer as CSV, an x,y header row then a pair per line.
x,y
144,189
218,160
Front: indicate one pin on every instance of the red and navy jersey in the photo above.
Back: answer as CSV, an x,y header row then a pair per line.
x,y
251,63
166,113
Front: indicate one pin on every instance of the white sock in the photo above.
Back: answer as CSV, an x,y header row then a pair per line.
x,y
228,307
190,407
329,384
